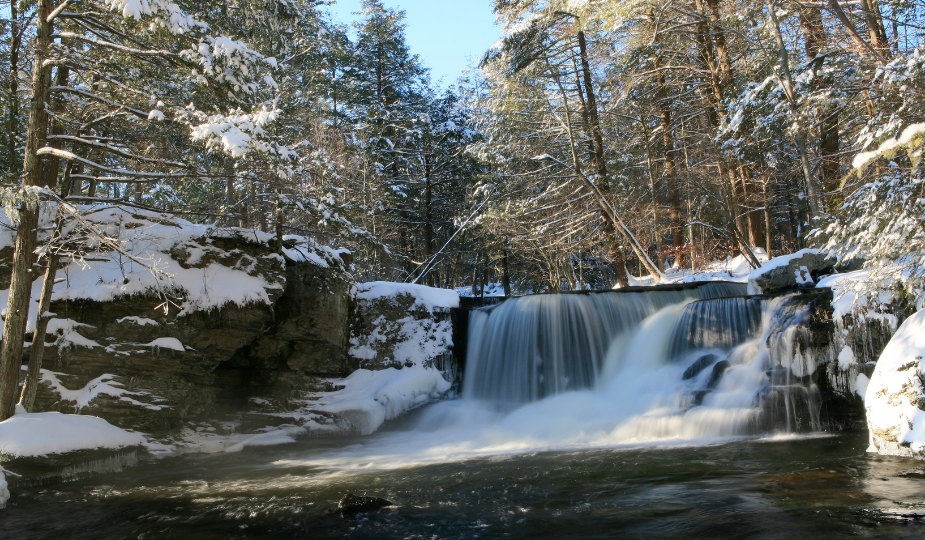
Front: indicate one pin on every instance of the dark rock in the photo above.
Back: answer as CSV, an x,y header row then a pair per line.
x,y
701,364
698,397
311,325
718,370
354,504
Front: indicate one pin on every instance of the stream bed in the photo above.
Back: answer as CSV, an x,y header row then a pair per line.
x,y
813,486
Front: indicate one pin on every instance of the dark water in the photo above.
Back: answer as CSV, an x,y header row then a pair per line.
x,y
810,487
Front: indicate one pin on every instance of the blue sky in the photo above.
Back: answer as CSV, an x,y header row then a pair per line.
x,y
446,34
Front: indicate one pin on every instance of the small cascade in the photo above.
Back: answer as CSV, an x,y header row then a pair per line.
x,y
532,347
667,364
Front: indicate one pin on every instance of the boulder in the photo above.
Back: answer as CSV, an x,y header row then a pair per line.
x,y
895,397
354,504
399,325
797,270
699,365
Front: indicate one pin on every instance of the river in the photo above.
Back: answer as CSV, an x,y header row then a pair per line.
x,y
809,486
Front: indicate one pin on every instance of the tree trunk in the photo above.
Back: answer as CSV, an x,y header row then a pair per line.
x,y
15,44
37,351
230,219
799,137
650,168
17,312
671,184
505,274
619,266
814,40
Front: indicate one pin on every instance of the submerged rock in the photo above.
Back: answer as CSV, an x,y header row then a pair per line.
x,y
701,364
354,504
718,371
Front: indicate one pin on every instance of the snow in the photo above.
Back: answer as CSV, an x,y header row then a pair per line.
x,y
153,241
40,434
425,297
854,295
284,435
898,387
369,398
102,385
846,358
167,343
140,321
861,384
732,269
490,290
862,159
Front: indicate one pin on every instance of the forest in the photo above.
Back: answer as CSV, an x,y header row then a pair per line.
x,y
597,142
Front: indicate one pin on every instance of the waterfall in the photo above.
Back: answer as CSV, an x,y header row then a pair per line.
x,y
672,364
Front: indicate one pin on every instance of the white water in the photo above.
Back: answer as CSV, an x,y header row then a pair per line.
x,y
633,394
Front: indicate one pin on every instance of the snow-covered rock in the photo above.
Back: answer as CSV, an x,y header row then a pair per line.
x,y
369,398
41,434
895,397
148,321
800,269
401,325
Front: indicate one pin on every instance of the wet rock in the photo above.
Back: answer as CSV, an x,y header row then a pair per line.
x,y
701,364
698,397
718,370
354,504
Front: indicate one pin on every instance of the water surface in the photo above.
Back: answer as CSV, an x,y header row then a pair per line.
x,y
818,486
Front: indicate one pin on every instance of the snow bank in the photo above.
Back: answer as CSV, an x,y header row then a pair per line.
x,y
425,297
732,269
369,398
40,434
896,392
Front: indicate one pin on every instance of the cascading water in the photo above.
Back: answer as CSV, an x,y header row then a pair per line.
x,y
612,369
664,364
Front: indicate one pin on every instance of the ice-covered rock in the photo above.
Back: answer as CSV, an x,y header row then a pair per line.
x,y
800,269
895,397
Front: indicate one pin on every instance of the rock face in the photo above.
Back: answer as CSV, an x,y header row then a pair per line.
x,y
398,325
309,332
801,269
895,398
234,320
